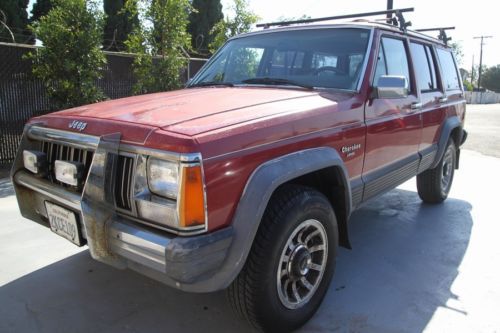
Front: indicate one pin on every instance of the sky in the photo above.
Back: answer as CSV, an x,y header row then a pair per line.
x,y
471,18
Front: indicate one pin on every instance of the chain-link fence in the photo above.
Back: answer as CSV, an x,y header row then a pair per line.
x,y
23,97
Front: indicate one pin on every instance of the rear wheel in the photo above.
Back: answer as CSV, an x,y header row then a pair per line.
x,y
291,263
434,184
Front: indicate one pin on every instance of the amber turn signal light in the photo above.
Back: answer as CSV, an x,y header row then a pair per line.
x,y
192,198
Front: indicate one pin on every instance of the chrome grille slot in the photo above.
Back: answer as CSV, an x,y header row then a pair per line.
x,y
57,151
123,183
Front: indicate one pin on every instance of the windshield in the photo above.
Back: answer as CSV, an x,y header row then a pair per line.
x,y
321,58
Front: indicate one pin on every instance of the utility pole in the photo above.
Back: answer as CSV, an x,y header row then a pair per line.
x,y
472,73
481,60
390,5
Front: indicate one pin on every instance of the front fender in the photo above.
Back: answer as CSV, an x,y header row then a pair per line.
x,y
253,202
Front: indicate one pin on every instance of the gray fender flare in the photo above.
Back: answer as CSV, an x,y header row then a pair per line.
x,y
448,127
258,190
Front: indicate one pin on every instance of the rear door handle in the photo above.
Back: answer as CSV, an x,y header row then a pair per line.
x,y
443,99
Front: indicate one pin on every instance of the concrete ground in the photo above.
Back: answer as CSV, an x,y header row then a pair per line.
x,y
413,267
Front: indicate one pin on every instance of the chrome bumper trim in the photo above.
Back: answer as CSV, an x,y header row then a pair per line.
x,y
138,244
44,187
129,244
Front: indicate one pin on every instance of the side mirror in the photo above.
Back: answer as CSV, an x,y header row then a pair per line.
x,y
391,86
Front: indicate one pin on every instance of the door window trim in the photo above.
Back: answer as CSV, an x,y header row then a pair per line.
x,y
413,91
460,83
431,63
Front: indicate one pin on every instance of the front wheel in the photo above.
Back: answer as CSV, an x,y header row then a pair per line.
x,y
434,185
291,263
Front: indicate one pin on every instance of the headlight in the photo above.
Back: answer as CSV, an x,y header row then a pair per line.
x,y
174,195
35,161
68,172
163,178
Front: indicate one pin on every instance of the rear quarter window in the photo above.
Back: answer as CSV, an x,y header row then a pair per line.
x,y
424,67
449,70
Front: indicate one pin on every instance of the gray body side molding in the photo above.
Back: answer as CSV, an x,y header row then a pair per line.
x,y
253,202
450,124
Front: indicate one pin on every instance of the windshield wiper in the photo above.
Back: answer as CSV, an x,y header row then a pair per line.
x,y
276,81
211,83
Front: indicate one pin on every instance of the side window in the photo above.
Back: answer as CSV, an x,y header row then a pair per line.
x,y
381,67
449,70
322,60
298,60
285,62
432,64
422,65
394,58
355,63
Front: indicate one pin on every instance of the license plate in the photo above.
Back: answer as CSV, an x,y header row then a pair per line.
x,y
63,222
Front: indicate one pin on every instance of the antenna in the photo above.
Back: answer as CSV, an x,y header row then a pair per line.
x,y
397,21
442,33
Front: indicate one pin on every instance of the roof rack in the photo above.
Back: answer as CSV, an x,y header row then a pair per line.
x,y
397,20
442,33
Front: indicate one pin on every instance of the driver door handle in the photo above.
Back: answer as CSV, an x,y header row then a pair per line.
x,y
443,99
416,106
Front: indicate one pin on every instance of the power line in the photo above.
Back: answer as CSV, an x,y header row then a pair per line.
x,y
481,59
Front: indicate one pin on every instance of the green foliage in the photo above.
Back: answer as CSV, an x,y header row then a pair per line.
x,y
120,21
71,60
40,8
457,51
246,63
468,86
159,44
14,15
241,21
491,78
205,14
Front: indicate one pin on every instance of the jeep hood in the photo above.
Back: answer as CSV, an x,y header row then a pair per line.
x,y
198,110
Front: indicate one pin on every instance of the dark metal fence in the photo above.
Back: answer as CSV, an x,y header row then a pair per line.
x,y
23,97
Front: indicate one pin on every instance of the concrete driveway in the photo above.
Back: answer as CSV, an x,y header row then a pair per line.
x,y
413,268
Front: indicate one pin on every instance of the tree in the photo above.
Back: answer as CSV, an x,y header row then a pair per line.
x,y
241,22
457,51
120,21
40,8
160,44
491,78
71,60
466,78
468,86
205,14
14,22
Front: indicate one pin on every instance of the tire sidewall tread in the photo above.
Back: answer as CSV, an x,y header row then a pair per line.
x,y
254,293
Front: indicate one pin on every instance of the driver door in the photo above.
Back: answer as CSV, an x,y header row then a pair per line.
x,y
394,125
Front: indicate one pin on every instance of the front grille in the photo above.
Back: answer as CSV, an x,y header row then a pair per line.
x,y
123,184
57,151
123,177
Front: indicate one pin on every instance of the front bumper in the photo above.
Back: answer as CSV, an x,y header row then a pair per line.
x,y
187,263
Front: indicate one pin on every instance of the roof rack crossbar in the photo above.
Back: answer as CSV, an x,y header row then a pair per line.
x,y
442,33
398,20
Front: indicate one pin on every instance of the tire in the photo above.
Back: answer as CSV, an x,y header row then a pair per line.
x,y
293,213
434,185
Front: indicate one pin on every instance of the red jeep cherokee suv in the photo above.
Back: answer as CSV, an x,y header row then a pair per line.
x,y
246,179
